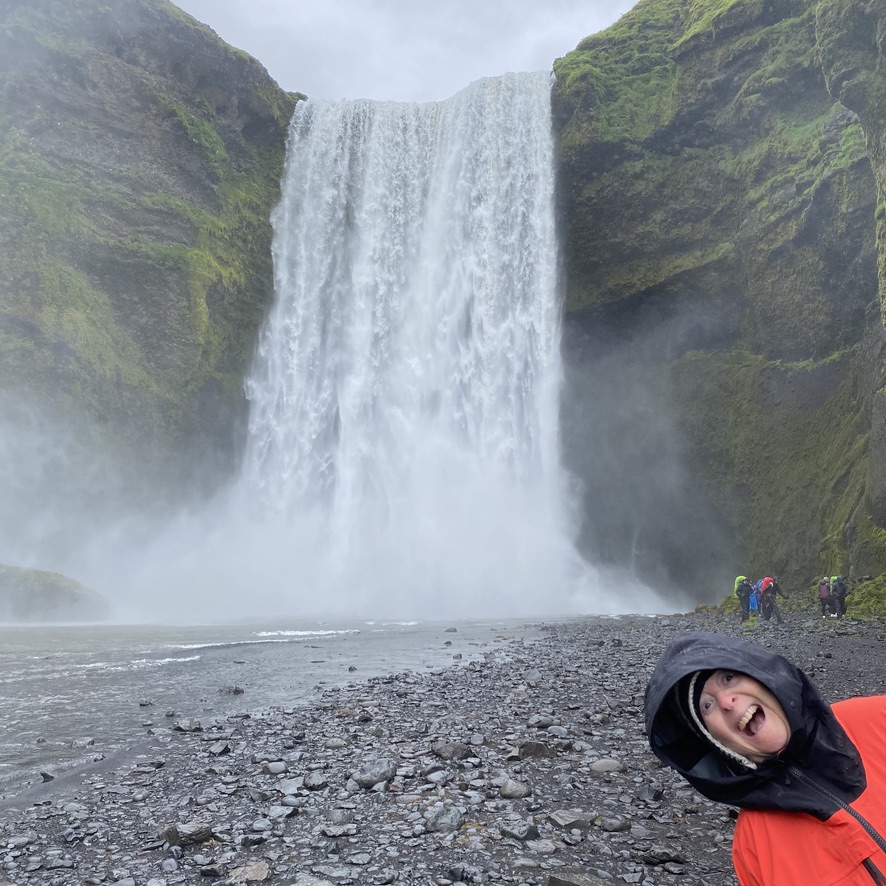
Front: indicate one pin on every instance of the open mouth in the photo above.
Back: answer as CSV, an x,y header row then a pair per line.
x,y
752,720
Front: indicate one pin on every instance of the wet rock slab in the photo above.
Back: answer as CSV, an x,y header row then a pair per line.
x,y
527,767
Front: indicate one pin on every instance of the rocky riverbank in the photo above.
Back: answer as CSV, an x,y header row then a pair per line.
x,y
526,766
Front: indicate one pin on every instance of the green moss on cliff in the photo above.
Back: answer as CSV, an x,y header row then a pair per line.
x,y
735,151
853,60
731,205
78,349
200,131
135,278
783,451
867,598
35,596
626,74
706,20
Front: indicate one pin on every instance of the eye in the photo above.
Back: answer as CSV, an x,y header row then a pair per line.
x,y
706,705
727,677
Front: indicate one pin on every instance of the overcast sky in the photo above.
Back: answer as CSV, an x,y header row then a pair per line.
x,y
401,50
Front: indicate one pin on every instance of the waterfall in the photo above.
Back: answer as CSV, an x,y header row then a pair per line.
x,y
403,438
402,459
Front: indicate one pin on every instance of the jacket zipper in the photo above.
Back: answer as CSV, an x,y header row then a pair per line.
x,y
874,871
871,831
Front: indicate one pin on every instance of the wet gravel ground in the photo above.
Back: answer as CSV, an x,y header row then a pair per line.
x,y
526,765
69,692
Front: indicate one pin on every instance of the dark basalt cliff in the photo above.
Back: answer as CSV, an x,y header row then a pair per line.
x,y
721,166
140,157
718,169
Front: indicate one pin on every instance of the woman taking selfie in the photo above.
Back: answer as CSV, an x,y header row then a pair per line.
x,y
746,727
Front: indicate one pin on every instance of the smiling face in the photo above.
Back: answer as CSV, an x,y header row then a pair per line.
x,y
741,713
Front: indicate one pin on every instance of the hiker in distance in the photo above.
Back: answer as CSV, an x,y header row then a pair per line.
x,y
824,596
769,590
747,728
839,590
743,590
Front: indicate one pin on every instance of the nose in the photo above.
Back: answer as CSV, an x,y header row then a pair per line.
x,y
725,699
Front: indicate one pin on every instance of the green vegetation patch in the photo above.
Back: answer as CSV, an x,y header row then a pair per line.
x,y
867,598
788,475
140,158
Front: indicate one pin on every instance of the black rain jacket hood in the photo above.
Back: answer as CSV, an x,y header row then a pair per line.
x,y
818,746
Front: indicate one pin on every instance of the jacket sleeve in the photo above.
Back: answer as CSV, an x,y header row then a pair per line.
x,y
745,858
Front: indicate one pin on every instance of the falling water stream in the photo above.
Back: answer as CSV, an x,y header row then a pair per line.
x,y
403,455
404,399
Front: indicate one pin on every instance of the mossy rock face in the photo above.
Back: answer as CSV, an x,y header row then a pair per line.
x,y
140,157
34,595
717,199
852,60
867,597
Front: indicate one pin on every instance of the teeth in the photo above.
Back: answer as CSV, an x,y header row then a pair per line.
x,y
748,714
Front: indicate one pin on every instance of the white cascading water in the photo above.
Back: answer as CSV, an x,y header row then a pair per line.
x,y
403,460
403,441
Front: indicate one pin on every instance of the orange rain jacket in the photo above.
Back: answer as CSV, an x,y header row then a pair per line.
x,y
785,849
797,823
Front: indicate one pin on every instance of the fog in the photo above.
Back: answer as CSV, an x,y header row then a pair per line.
x,y
471,549
643,501
464,541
